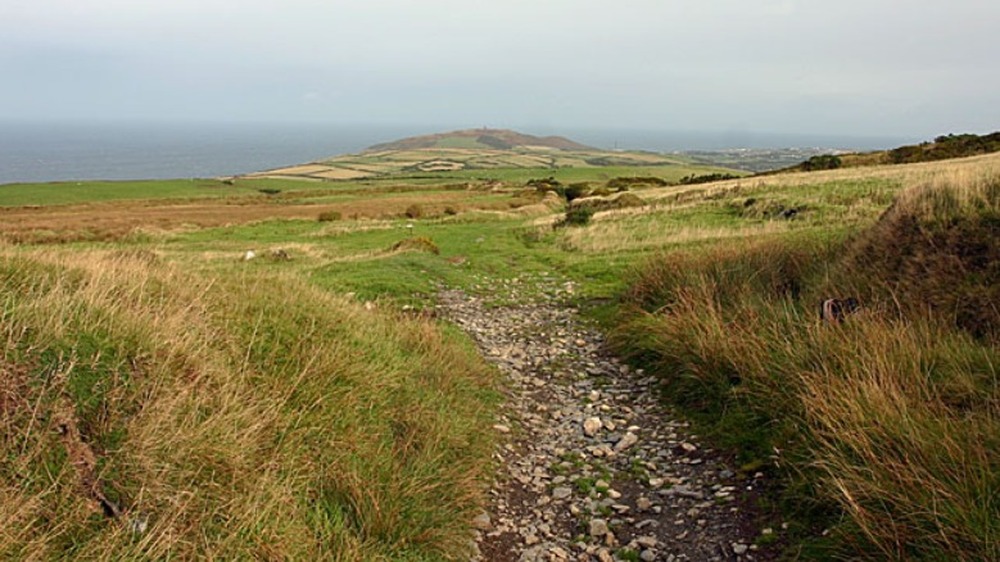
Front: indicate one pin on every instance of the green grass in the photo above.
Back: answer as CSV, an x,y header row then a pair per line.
x,y
68,193
872,421
669,173
186,366
247,417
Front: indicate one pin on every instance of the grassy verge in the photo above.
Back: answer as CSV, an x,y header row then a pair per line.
x,y
885,425
151,413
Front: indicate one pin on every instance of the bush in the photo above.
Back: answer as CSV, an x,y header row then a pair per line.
x,y
414,212
707,178
329,216
416,244
450,211
822,162
624,183
577,216
576,191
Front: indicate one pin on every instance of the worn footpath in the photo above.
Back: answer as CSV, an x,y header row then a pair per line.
x,y
590,466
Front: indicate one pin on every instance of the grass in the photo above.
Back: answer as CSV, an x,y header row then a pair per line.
x,y
670,173
69,193
257,409
249,417
888,419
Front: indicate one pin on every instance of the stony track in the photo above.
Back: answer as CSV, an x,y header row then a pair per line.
x,y
590,466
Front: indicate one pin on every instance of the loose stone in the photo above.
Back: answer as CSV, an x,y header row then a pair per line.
x,y
598,528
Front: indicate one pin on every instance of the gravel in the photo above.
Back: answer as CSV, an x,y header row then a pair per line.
x,y
574,416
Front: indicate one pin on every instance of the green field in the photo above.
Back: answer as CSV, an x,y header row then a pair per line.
x,y
69,193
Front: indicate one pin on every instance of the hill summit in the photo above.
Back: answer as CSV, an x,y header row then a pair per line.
x,y
492,139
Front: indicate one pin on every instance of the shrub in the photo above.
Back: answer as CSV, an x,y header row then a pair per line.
x,y
707,178
577,216
414,211
450,211
547,185
822,162
576,191
624,183
416,244
329,216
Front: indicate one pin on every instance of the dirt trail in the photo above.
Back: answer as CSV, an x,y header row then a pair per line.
x,y
592,467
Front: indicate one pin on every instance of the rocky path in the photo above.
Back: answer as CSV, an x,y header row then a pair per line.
x,y
591,468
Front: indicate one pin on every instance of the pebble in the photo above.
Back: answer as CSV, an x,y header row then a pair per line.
x,y
562,493
598,527
626,441
482,522
579,415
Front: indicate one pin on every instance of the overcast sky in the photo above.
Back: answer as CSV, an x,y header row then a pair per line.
x,y
859,67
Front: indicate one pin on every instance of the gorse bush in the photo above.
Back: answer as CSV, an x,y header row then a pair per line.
x,y
891,417
707,178
946,146
822,162
577,216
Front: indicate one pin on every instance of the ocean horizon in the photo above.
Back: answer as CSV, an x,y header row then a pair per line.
x,y
76,151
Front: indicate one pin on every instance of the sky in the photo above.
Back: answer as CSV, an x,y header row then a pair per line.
x,y
860,67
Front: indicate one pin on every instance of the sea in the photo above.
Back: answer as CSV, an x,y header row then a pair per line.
x,y
75,151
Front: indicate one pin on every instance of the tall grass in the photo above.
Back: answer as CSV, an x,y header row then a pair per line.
x,y
887,425
242,418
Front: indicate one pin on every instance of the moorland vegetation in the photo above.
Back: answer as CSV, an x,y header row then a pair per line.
x,y
163,397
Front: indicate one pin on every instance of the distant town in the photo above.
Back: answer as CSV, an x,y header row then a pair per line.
x,y
758,159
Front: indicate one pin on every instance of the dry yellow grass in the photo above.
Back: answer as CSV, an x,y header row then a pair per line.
x,y
111,221
618,236
312,172
906,175
889,416
248,418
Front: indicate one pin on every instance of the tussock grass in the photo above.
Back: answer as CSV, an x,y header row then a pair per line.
x,y
253,417
891,418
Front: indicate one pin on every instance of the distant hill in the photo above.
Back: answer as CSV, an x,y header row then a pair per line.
x,y
487,139
490,153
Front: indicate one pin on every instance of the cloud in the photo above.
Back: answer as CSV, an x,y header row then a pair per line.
x,y
649,63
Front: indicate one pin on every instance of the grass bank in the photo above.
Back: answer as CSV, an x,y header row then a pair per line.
x,y
149,412
885,425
